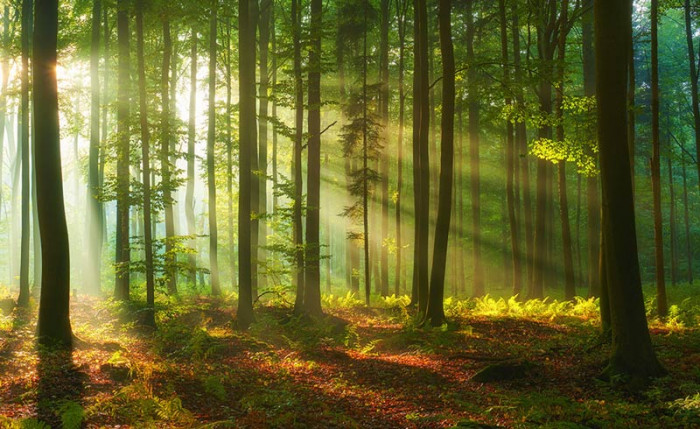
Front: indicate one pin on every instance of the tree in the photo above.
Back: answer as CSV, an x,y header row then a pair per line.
x,y
384,156
211,139
312,276
146,169
94,224
435,314
264,27
54,311
122,251
170,272
693,69
661,304
246,71
23,300
632,353
191,133
297,227
401,12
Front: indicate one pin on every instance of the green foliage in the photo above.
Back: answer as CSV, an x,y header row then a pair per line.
x,y
72,415
350,300
213,386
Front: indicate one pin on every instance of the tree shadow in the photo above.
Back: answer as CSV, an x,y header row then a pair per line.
x,y
60,387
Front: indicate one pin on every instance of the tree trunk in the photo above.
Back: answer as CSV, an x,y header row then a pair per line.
x,y
672,222
312,287
298,230
384,159
23,300
510,159
5,70
121,290
264,19
632,353
170,270
401,7
693,79
688,248
211,172
435,314
189,191
246,71
146,170
662,306
229,152
365,166
54,319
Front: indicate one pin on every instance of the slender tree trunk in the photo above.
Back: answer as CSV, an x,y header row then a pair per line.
x,y
662,306
229,153
421,168
211,172
312,287
5,70
27,9
264,19
510,159
569,285
297,226
94,244
146,170
435,314
672,222
248,141
688,248
632,353
256,179
478,288
189,191
365,165
170,271
123,111
695,99
273,45
631,92
54,319
384,160
401,7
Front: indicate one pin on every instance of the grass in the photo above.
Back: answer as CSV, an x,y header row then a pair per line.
x,y
358,367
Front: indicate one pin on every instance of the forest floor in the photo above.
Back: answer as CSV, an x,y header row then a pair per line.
x,y
359,367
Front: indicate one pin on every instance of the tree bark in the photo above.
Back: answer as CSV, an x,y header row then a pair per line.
x,y
170,271
401,7
384,159
695,98
298,230
27,9
264,20
688,248
54,318
211,171
191,135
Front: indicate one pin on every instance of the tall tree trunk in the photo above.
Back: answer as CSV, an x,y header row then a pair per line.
x,y
401,7
662,306
693,79
688,248
592,195
191,135
248,141
365,165
27,9
569,285
170,271
632,353
478,288
631,92
510,158
384,159
521,145
54,319
264,19
94,244
211,171
672,222
273,46
312,287
121,290
229,151
146,170
435,314
421,168
255,181
298,230
5,70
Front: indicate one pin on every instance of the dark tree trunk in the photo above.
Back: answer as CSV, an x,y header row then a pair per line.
x,y
121,289
693,79
478,288
298,230
264,19
211,155
5,70
189,191
401,7
146,170
662,306
365,164
312,277
632,353
94,226
421,168
384,160
229,152
435,314
246,71
27,9
672,223
255,180
510,159
688,248
54,318
170,271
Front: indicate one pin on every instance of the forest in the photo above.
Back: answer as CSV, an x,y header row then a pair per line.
x,y
350,213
